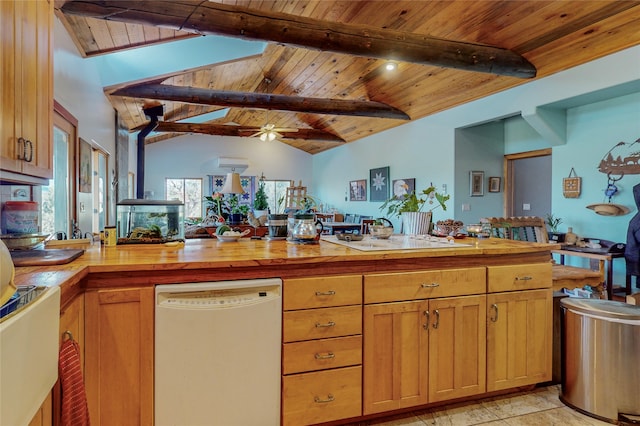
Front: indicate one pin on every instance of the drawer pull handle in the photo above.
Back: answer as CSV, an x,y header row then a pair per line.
x,y
525,278
495,309
432,285
437,322
325,293
426,324
330,398
329,324
328,355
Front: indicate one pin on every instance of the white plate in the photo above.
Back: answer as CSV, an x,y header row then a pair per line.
x,y
228,238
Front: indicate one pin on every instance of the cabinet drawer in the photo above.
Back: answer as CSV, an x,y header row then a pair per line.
x,y
424,285
322,323
321,396
322,292
519,277
321,354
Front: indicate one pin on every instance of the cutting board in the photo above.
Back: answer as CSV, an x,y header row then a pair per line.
x,y
44,257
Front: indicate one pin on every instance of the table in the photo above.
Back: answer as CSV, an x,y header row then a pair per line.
x,y
601,255
332,227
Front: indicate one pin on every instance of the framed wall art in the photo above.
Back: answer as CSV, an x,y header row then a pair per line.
x,y
379,184
494,184
358,190
476,184
84,162
402,187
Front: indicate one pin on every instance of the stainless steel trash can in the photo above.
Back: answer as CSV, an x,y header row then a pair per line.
x,y
601,358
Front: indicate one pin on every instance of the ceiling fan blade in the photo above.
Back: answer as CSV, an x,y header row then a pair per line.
x,y
285,129
256,134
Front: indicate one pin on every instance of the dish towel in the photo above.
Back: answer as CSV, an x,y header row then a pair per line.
x,y
75,411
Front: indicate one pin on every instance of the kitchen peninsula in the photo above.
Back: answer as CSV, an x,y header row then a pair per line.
x,y
411,327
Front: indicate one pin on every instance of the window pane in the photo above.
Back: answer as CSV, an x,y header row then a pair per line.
x,y
276,191
189,191
55,196
193,198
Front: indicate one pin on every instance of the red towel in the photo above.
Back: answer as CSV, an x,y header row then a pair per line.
x,y
75,411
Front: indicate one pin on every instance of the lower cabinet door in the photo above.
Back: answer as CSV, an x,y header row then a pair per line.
x,y
321,396
119,356
457,347
395,356
519,338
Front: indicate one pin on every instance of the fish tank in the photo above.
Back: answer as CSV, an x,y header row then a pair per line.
x,y
150,221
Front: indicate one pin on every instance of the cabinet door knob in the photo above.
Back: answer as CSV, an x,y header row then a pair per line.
x,y
494,318
437,321
28,158
426,324
22,148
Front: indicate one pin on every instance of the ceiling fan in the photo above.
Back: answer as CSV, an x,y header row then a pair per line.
x,y
269,131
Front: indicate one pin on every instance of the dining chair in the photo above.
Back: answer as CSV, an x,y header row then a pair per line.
x,y
364,226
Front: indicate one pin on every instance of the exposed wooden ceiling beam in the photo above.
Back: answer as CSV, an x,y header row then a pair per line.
x,y
205,17
241,131
195,95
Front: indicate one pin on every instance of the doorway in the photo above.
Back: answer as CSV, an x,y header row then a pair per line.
x,y
528,183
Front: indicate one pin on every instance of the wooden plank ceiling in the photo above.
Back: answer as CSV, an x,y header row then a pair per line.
x,y
552,35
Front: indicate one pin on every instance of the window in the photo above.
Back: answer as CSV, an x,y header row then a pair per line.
x,y
58,198
276,191
189,191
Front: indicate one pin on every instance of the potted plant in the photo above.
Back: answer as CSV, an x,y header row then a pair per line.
x,y
553,222
232,205
260,204
409,207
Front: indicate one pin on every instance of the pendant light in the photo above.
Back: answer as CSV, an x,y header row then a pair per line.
x,y
232,184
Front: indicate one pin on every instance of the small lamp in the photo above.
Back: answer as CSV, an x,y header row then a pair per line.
x,y
232,184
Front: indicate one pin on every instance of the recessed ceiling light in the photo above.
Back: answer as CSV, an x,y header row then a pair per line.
x,y
391,66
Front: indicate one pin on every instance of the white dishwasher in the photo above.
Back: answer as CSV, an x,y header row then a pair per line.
x,y
217,353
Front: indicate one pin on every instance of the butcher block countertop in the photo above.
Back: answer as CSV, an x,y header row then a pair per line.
x,y
210,259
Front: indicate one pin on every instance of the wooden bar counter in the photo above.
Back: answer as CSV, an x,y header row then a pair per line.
x,y
460,310
148,263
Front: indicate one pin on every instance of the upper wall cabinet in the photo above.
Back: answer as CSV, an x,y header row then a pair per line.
x,y
26,84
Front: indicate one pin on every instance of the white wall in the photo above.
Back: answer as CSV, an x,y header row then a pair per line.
x,y
194,156
77,88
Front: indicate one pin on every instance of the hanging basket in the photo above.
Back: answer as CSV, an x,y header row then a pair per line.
x,y
416,223
571,185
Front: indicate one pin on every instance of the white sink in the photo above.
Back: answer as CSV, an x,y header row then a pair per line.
x,y
28,357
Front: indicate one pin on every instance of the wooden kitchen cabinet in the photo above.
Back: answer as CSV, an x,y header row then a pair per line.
x,y
519,325
119,355
26,80
423,351
519,338
322,349
396,354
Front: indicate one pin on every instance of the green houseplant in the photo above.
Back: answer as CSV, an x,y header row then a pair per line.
x,y
554,234
410,208
260,203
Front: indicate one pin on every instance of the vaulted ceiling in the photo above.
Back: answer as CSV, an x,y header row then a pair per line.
x,y
551,35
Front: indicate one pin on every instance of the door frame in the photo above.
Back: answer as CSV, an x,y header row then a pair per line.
x,y
508,173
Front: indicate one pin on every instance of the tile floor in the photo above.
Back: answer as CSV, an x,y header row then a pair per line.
x,y
538,407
